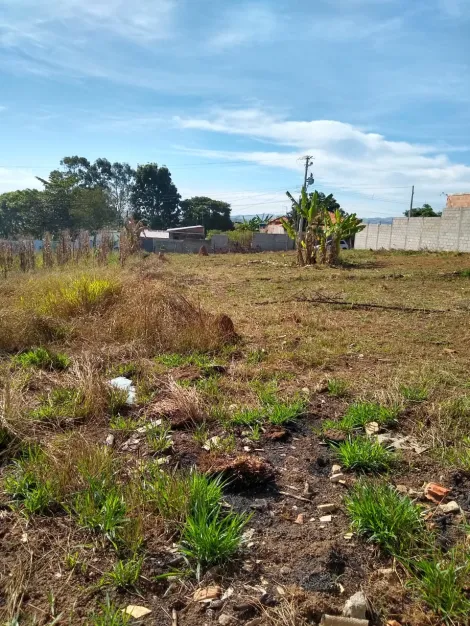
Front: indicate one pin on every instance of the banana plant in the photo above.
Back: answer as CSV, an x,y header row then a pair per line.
x,y
310,211
337,228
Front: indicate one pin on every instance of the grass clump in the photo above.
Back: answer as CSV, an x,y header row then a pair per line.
x,y
414,393
28,485
109,615
442,582
61,404
100,507
123,422
78,296
43,359
273,411
124,575
386,517
363,455
159,437
337,387
180,360
361,413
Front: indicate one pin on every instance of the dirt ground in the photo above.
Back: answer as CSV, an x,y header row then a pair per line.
x,y
294,566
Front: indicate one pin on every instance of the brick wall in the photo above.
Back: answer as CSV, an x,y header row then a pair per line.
x,y
458,201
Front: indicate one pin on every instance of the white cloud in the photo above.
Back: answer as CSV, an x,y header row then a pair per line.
x,y
247,23
11,179
364,166
40,22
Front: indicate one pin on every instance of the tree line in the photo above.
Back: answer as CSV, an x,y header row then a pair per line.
x,y
92,196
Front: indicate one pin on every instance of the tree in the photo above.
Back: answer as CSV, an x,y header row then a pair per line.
x,y
254,223
425,211
212,214
18,209
117,179
154,197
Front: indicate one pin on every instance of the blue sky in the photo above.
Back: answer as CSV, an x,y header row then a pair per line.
x,y
231,94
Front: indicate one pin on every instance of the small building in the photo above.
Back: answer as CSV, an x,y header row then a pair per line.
x,y
274,226
151,239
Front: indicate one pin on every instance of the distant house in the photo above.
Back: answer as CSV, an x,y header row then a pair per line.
x,y
181,232
274,226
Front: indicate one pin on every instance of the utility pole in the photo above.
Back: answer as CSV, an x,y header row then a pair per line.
x,y
307,158
411,202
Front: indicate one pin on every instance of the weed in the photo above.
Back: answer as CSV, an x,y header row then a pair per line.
x,y
209,386
459,455
81,295
256,356
360,414
248,417
117,400
43,359
124,575
464,273
100,507
159,437
223,445
109,615
121,422
414,393
201,433
266,391
255,432
128,370
174,495
180,360
442,582
386,517
211,537
363,455
61,404
337,387
27,483
285,413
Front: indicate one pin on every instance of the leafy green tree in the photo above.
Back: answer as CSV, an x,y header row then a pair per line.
x,y
18,210
212,214
117,179
254,223
154,197
425,211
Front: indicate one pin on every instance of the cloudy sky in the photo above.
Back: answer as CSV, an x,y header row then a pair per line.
x,y
230,94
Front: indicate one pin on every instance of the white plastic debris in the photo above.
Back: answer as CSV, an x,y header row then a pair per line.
x,y
121,382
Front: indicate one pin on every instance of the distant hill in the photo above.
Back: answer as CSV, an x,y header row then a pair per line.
x,y
377,220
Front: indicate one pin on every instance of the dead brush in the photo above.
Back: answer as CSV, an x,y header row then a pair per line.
x,y
182,406
6,257
162,320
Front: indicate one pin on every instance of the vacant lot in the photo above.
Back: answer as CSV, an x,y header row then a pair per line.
x,y
218,470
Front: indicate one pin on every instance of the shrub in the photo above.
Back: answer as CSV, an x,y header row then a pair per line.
x,y
42,358
362,454
386,517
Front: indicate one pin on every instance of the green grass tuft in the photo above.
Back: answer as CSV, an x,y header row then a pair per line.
x,y
159,437
43,359
386,517
337,387
28,485
442,582
180,360
124,575
363,455
414,393
360,414
109,615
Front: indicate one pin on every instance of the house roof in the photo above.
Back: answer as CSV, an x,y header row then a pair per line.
x,y
170,230
147,233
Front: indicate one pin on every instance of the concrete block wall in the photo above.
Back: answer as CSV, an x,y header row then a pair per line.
x,y
458,201
399,231
384,237
451,232
464,234
430,233
265,241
